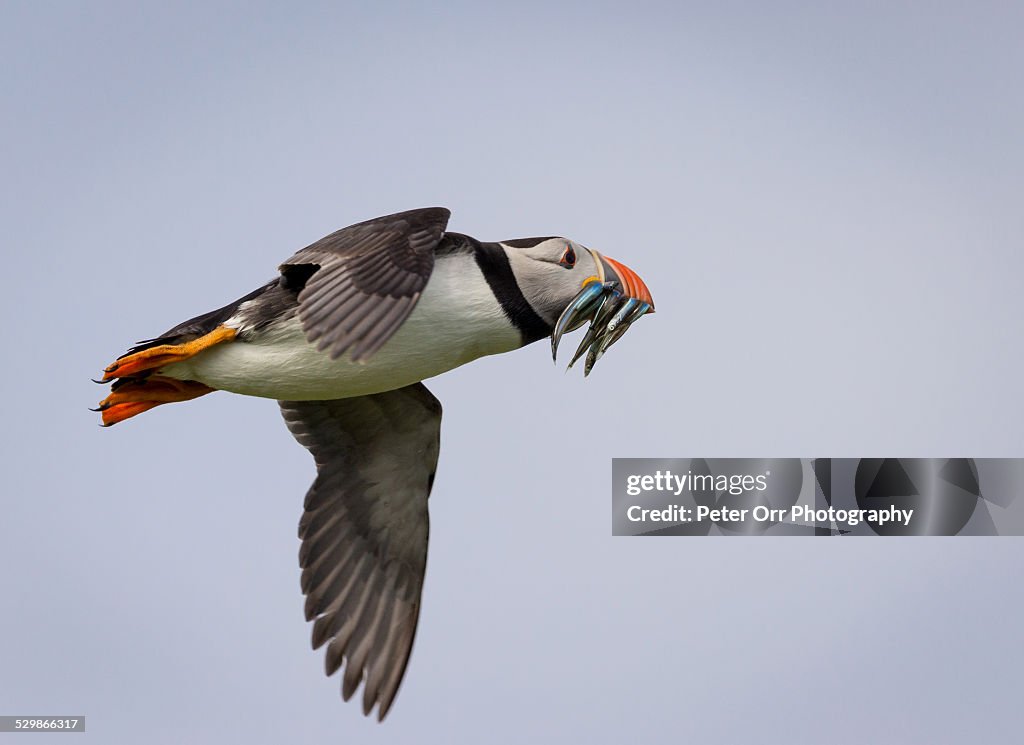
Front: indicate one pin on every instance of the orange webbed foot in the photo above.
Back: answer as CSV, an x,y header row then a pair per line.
x,y
134,396
152,359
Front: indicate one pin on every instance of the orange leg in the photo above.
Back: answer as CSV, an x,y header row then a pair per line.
x,y
136,396
152,359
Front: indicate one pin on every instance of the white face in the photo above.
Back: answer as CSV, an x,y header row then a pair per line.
x,y
550,273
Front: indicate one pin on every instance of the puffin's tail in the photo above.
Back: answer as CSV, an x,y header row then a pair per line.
x,y
137,386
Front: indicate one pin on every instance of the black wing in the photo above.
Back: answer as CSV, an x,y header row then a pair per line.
x,y
369,279
364,530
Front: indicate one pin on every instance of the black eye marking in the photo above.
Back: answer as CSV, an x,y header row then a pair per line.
x,y
568,259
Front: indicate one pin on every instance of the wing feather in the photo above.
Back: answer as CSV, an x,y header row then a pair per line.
x,y
364,528
367,271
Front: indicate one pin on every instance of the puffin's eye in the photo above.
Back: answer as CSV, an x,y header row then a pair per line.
x,y
568,259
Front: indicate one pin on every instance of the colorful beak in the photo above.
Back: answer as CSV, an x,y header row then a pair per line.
x,y
630,282
611,302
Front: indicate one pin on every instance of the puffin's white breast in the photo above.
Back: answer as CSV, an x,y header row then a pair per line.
x,y
456,320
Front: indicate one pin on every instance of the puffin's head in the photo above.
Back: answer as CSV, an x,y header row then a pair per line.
x,y
568,284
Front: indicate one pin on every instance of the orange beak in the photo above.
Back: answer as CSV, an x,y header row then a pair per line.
x,y
612,301
632,285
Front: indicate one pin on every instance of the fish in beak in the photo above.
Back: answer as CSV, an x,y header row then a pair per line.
x,y
611,301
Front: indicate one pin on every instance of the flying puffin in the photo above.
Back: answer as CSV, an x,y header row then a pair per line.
x,y
342,338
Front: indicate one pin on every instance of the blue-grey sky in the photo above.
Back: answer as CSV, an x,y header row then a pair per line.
x,y
825,200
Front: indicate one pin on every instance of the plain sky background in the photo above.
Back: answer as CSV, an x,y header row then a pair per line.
x,y
826,201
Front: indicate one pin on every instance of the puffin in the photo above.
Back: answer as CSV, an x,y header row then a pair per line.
x,y
342,338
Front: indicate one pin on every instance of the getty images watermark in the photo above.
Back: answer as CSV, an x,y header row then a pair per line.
x,y
818,496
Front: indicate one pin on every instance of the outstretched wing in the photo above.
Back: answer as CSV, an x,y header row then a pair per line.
x,y
364,530
367,280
